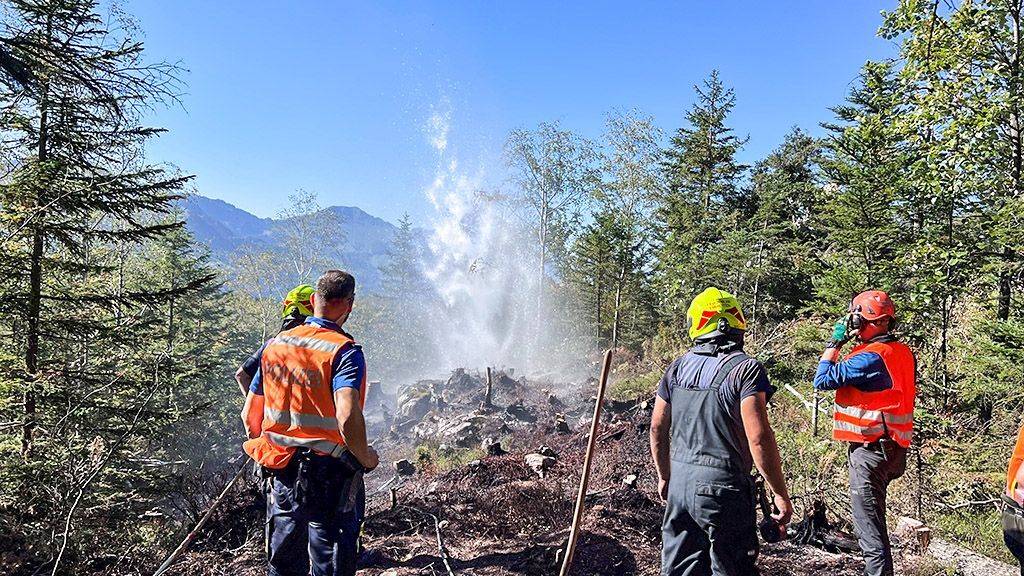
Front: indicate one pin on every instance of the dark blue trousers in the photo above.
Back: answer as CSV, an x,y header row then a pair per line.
x,y
315,510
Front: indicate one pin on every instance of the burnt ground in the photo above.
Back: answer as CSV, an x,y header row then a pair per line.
x,y
495,514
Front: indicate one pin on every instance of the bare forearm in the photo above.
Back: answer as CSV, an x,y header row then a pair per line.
x,y
353,430
660,453
244,380
765,451
661,427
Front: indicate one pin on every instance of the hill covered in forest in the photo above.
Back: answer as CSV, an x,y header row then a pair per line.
x,y
361,246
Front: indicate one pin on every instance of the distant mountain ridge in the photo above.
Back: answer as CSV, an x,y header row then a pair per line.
x,y
225,228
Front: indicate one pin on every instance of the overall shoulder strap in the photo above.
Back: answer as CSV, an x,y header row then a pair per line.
x,y
726,368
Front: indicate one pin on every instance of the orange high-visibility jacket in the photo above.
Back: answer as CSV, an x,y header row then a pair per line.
x,y
1015,463
298,397
867,416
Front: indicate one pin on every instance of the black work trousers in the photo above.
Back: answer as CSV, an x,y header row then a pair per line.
x,y
315,511
1013,530
710,524
872,467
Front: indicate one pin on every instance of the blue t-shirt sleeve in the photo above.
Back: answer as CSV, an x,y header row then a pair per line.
x,y
864,371
252,363
256,386
349,369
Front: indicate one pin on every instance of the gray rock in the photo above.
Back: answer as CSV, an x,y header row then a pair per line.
x,y
464,435
539,463
415,401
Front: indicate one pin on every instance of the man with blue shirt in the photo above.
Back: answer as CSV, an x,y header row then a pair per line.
x,y
875,386
708,430
305,422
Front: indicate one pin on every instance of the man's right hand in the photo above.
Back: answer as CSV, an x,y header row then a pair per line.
x,y
785,510
371,460
663,488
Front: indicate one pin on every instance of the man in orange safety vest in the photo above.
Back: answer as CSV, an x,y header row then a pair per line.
x,y
875,386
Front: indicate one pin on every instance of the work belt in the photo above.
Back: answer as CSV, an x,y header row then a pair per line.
x,y
1010,506
883,445
315,471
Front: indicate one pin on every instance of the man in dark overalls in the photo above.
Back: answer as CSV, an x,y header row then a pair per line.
x,y
709,428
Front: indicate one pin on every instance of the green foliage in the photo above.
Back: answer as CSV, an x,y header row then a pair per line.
x,y
634,387
442,458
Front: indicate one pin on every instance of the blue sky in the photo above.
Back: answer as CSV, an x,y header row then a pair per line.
x,y
336,97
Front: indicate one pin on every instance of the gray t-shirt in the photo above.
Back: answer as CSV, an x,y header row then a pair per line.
x,y
697,370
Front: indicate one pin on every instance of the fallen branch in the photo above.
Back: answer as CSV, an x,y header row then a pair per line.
x,y
807,403
440,545
968,504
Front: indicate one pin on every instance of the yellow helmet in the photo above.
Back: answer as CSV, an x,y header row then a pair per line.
x,y
297,301
711,306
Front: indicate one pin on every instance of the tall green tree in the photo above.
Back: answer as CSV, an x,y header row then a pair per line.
x,y
110,309
78,177
866,209
702,209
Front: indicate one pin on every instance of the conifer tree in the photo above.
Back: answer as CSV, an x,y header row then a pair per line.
x,y
701,211
100,332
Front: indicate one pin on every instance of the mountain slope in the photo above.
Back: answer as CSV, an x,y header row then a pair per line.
x,y
226,228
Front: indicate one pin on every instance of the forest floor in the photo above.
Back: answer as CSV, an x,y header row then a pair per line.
x,y
508,513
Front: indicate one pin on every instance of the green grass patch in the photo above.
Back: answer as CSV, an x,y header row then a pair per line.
x,y
634,387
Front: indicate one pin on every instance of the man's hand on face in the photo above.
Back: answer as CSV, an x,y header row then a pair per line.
x,y
842,332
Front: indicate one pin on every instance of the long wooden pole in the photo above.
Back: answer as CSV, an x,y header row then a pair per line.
x,y
582,494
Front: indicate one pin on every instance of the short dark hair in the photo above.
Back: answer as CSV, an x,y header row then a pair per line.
x,y
335,285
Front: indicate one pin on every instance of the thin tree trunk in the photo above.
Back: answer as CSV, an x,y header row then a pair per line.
x,y
1005,273
35,284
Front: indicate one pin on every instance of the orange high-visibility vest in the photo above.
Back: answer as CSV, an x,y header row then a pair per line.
x,y
1015,463
868,416
299,409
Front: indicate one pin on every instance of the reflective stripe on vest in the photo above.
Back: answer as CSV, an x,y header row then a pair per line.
x,y
299,419
875,415
305,342
861,416
318,444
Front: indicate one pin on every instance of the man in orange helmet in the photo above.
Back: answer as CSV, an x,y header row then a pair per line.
x,y
874,414
1013,510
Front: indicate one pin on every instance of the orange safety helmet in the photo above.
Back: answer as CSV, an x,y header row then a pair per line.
x,y
872,305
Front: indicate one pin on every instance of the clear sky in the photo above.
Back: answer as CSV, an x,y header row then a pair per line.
x,y
336,97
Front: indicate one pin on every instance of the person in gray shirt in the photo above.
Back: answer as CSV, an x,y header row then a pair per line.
x,y
709,429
